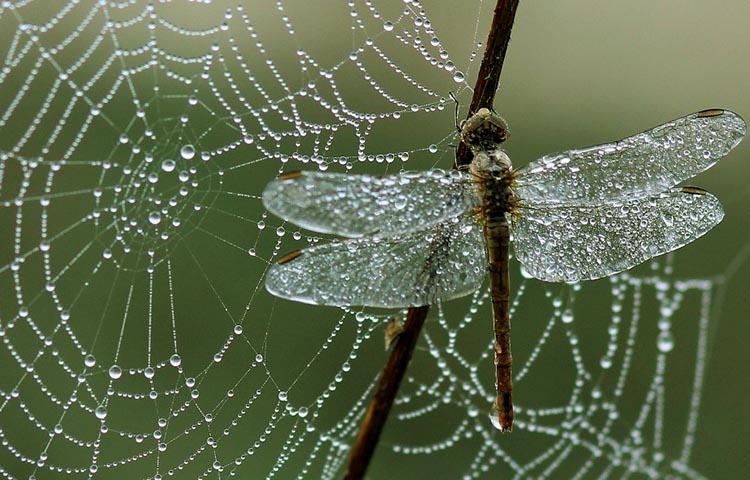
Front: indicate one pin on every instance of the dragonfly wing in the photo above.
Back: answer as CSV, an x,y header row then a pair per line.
x,y
572,243
636,167
418,268
358,205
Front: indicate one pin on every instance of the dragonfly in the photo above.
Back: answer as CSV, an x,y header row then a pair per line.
x,y
422,237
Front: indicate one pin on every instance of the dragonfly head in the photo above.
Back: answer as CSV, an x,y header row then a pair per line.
x,y
484,131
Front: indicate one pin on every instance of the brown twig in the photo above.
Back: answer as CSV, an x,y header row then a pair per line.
x,y
390,379
488,78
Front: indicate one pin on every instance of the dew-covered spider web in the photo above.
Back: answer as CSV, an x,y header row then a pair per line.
x,y
138,340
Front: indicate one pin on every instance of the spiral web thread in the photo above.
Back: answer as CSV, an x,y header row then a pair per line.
x,y
137,338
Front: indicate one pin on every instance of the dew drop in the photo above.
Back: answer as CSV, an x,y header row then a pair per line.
x,y
525,273
283,396
168,165
665,342
187,152
101,412
115,372
154,218
175,360
388,26
458,76
89,361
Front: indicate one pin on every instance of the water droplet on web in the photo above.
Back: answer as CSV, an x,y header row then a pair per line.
x,y
168,165
89,361
458,76
525,273
175,360
248,139
154,218
665,342
259,358
388,26
187,152
101,412
283,396
115,372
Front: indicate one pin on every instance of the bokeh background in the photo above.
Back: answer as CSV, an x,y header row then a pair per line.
x,y
577,73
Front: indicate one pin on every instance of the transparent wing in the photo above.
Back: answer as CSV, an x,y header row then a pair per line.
x,y
358,205
636,167
567,243
418,268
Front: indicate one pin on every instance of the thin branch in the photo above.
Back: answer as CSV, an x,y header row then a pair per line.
x,y
488,78
395,368
382,401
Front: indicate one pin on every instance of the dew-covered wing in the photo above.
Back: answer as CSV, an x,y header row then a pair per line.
x,y
447,261
636,167
572,243
358,205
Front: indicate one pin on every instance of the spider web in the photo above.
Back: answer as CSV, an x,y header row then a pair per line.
x,y
137,338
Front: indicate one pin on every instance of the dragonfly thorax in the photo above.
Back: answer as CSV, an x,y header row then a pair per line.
x,y
494,179
491,168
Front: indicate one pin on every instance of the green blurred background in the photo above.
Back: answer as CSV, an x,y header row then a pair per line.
x,y
577,73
